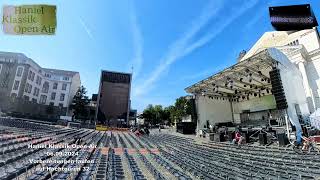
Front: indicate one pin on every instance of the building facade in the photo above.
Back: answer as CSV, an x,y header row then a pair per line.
x,y
302,48
21,78
113,105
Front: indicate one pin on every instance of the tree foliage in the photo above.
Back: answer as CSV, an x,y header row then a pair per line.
x,y
156,114
79,103
50,109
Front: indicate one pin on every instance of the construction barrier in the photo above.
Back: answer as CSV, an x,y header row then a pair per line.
x,y
106,128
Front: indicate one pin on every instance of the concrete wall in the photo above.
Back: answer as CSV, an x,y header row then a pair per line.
x,y
308,38
313,72
114,99
215,111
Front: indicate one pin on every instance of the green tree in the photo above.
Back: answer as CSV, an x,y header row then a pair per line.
x,y
50,109
148,113
157,114
165,115
172,113
183,107
79,103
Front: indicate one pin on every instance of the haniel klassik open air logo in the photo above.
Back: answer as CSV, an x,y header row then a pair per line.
x,y
29,19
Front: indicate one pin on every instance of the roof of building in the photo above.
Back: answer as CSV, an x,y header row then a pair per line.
x,y
274,39
116,72
13,54
61,72
21,55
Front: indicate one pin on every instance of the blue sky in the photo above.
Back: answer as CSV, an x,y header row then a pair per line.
x,y
170,44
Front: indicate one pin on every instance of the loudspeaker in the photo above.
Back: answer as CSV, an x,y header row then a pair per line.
x,y
277,89
294,17
263,138
246,137
273,122
282,139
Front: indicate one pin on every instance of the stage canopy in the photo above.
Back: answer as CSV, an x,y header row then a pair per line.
x,y
247,78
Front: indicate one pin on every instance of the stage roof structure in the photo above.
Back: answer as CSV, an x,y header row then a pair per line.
x,y
239,82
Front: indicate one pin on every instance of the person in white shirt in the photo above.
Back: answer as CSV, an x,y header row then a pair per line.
x,y
211,128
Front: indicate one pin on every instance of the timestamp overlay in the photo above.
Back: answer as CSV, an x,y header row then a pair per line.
x,y
63,157
29,20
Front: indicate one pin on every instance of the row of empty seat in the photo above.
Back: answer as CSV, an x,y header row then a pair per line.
x,y
123,155
226,161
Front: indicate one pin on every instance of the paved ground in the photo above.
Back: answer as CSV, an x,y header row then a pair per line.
x,y
162,155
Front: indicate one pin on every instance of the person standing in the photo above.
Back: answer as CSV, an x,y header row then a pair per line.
x,y
238,138
146,130
211,128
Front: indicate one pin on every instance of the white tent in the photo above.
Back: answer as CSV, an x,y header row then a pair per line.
x,y
315,119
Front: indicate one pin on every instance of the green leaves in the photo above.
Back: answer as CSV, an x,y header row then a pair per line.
x,y
157,114
79,103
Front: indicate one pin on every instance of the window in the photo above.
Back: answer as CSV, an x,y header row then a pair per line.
x,y
62,97
45,87
51,103
293,43
66,78
47,75
29,75
32,76
16,85
27,87
33,100
53,96
19,71
61,105
30,88
35,91
38,80
13,96
26,98
43,99
55,85
64,86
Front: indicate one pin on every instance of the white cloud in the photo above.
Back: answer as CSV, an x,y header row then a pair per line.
x,y
84,25
176,50
222,25
182,46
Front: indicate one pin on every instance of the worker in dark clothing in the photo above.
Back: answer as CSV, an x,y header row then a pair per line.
x,y
146,130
